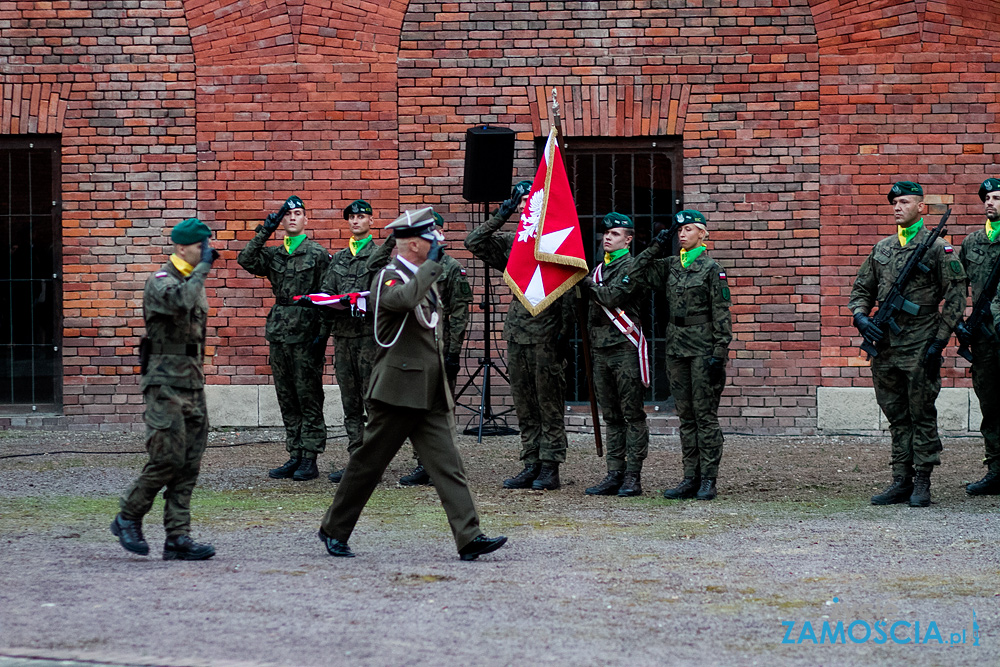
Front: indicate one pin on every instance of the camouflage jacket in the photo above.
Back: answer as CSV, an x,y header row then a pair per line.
x,y
176,311
698,301
978,256
353,273
613,293
945,281
289,275
493,247
456,295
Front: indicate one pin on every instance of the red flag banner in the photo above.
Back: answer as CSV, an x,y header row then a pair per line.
x,y
547,256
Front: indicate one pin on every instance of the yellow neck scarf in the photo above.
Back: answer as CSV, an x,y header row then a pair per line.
x,y
292,243
356,246
907,233
688,256
612,256
181,265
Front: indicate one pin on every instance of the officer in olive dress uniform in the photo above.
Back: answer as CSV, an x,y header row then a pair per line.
x,y
699,331
173,387
537,348
618,379
408,395
980,252
907,371
456,295
296,334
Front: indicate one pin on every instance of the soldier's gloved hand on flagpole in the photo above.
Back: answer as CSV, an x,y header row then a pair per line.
x,y
587,283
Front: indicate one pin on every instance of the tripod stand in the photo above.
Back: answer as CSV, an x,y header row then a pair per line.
x,y
490,422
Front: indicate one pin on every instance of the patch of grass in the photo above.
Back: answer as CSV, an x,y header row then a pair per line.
x,y
414,579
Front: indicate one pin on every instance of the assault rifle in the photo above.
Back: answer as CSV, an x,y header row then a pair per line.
x,y
981,317
894,303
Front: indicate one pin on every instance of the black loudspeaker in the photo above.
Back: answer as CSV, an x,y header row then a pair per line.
x,y
489,164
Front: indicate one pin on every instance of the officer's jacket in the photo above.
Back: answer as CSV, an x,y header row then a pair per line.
x,y
409,366
353,273
493,247
289,275
613,292
945,281
176,311
978,256
697,298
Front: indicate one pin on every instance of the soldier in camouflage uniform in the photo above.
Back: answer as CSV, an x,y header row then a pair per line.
x,y
536,358
176,311
456,295
907,371
351,270
980,252
697,348
617,378
297,334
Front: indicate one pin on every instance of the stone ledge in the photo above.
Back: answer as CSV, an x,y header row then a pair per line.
x,y
257,405
854,409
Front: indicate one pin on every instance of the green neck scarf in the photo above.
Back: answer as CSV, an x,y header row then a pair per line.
x,y
612,256
293,242
688,256
356,246
992,232
907,233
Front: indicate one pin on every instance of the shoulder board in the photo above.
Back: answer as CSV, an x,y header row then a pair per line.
x,y
161,274
948,248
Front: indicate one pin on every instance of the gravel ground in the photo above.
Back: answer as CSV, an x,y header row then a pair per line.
x,y
587,581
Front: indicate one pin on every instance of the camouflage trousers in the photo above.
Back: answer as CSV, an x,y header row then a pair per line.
x,y
298,382
906,396
986,382
538,387
620,393
176,436
697,403
353,359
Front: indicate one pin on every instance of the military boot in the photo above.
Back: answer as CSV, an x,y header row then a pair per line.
x,y
548,478
921,496
418,477
987,486
898,492
632,485
182,547
688,488
707,489
336,476
285,470
129,534
609,485
307,470
523,479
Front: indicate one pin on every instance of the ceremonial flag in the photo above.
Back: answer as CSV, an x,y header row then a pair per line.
x,y
547,256
357,301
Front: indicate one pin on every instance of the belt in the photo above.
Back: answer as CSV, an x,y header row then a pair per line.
x,y
690,321
188,349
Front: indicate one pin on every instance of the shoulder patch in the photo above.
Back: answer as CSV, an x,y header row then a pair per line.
x,y
956,267
390,282
948,248
463,271
161,274
465,289
722,275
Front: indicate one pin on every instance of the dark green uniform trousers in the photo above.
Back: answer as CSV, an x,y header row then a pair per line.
x,y
353,359
298,382
538,387
986,382
176,436
906,396
697,403
432,433
620,392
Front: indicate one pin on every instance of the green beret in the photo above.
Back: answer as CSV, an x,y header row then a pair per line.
x,y
438,220
689,216
294,202
904,188
190,231
357,206
612,220
989,185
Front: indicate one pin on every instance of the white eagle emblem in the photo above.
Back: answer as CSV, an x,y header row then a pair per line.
x,y
534,213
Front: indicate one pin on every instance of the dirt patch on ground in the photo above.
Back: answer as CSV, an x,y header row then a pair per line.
x,y
583,580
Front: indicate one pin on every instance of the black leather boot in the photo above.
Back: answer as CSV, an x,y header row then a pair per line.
x,y
921,496
182,547
707,489
987,486
688,488
418,477
609,485
129,534
548,478
307,470
523,479
632,485
285,470
898,492
335,547
336,476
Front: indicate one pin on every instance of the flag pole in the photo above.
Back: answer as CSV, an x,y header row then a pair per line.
x,y
581,308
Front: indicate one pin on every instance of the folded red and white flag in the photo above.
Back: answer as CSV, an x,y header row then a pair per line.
x,y
547,257
355,300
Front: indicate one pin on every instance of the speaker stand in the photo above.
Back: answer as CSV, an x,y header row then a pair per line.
x,y
489,421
